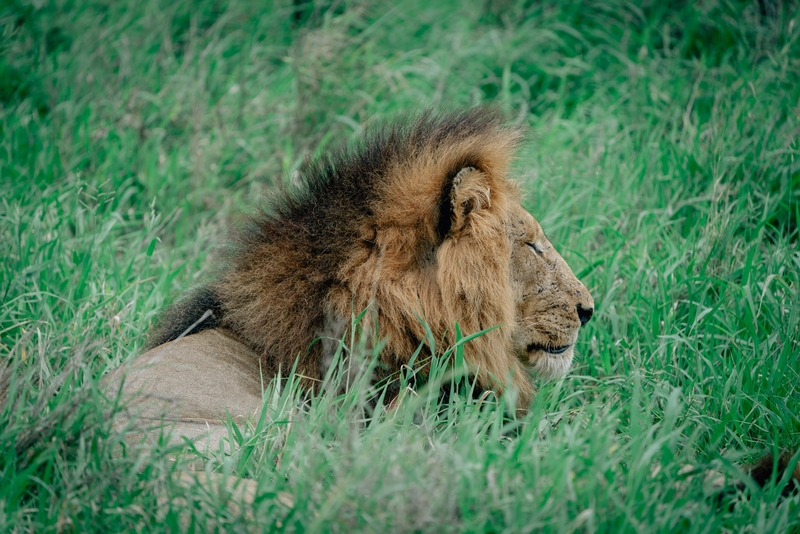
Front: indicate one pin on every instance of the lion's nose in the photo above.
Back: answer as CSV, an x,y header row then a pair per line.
x,y
584,314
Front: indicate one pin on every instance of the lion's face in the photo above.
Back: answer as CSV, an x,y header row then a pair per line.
x,y
551,303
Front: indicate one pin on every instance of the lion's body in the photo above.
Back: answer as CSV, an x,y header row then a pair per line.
x,y
420,221
191,383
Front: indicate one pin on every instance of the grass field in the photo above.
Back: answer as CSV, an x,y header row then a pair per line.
x,y
662,162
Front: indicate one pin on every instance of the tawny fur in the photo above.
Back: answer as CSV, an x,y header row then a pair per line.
x,y
420,220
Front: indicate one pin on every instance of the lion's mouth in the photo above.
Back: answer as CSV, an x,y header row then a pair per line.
x,y
548,349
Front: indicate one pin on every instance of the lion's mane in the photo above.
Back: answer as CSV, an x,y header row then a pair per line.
x,y
390,223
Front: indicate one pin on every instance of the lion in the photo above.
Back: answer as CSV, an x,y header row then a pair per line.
x,y
420,221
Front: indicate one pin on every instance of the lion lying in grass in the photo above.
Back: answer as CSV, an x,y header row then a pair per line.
x,y
420,221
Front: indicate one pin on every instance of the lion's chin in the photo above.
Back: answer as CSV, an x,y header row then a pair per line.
x,y
549,366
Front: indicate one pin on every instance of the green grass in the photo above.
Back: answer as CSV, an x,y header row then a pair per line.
x,y
662,162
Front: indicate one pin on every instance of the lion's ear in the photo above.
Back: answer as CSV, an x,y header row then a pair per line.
x,y
469,192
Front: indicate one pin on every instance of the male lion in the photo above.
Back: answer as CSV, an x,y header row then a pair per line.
x,y
418,221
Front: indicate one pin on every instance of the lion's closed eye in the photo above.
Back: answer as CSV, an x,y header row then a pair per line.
x,y
535,247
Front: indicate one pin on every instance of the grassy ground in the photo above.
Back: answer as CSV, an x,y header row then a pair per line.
x,y
662,163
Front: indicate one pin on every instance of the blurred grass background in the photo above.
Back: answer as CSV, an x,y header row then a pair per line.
x,y
661,162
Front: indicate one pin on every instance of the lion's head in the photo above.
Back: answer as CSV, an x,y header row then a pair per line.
x,y
551,303
420,224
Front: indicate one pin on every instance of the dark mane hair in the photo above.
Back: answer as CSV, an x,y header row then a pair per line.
x,y
360,231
